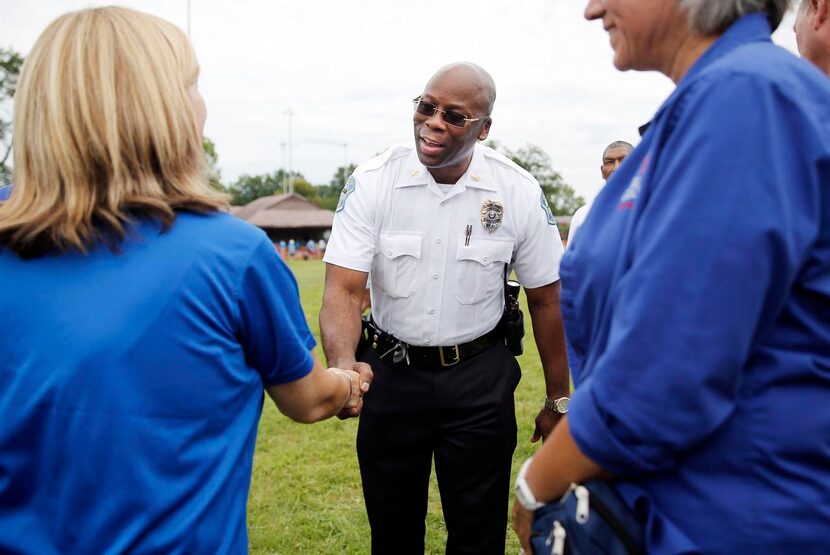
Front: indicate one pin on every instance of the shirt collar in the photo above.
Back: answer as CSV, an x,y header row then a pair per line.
x,y
749,28
477,176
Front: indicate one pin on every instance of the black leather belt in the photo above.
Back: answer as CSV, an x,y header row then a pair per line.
x,y
393,350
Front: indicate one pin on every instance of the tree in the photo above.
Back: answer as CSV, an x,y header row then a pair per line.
x,y
338,181
10,63
562,198
306,189
329,194
214,174
251,187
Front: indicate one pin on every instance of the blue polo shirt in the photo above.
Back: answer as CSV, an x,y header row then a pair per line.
x,y
696,299
131,385
5,191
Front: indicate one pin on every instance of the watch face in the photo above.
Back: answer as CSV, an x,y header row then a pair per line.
x,y
562,405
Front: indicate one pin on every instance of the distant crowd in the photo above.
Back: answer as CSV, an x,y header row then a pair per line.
x,y
294,250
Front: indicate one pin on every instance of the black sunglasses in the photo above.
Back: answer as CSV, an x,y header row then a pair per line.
x,y
450,117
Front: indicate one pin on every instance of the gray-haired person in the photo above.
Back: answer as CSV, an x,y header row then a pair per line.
x,y
812,32
697,312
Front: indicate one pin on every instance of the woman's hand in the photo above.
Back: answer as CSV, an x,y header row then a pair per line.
x,y
522,519
352,378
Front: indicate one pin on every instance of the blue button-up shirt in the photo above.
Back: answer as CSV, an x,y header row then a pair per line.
x,y
696,300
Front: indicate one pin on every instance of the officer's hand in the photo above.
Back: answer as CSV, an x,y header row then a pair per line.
x,y
546,421
366,376
522,519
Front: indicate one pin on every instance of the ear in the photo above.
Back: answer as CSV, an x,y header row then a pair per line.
x,y
821,11
485,129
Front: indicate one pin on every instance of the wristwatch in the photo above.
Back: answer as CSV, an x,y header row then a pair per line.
x,y
524,496
559,406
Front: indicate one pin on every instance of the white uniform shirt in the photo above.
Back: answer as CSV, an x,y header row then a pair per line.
x,y
577,220
428,287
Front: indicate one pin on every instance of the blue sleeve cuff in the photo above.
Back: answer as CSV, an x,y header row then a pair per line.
x,y
597,436
300,370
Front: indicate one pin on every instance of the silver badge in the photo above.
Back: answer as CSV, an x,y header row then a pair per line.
x,y
492,212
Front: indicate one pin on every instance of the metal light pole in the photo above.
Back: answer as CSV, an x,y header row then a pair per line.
x,y
284,173
290,114
345,162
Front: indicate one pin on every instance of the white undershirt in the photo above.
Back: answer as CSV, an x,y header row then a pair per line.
x,y
445,188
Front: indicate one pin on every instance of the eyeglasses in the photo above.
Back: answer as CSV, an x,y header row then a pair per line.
x,y
450,117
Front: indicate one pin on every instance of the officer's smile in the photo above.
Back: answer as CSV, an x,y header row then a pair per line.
x,y
430,147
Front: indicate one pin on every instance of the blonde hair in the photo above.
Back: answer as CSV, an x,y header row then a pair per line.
x,y
104,132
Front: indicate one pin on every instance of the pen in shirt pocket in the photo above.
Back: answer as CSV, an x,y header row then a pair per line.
x,y
467,233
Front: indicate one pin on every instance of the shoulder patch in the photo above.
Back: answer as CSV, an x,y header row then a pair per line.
x,y
548,212
348,189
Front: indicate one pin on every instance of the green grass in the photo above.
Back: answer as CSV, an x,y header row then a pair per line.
x,y
305,492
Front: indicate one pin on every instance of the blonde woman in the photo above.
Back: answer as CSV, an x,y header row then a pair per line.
x,y
141,322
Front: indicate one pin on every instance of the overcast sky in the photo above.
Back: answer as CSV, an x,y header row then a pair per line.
x,y
349,68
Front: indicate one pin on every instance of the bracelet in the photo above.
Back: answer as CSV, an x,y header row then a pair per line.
x,y
339,372
524,495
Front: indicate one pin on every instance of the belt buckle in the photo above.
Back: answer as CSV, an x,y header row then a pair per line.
x,y
455,353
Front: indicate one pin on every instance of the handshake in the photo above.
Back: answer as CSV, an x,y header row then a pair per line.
x,y
358,376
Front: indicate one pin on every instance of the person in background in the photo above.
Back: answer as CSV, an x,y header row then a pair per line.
x,y
612,157
292,248
439,225
698,310
144,322
5,192
812,32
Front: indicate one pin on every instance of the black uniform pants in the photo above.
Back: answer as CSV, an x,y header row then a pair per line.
x,y
463,415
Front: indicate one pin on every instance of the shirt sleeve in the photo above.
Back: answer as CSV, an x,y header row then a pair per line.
x,y
352,241
273,330
725,222
540,248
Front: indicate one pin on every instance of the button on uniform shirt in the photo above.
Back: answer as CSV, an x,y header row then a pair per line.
x,y
699,309
430,285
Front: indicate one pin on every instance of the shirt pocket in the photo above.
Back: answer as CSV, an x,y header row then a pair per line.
x,y
397,264
480,271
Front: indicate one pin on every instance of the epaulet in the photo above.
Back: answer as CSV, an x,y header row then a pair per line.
x,y
373,164
505,161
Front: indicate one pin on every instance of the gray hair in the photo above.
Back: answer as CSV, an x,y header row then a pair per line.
x,y
617,144
712,17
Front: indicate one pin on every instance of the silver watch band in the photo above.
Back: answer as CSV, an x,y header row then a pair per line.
x,y
559,406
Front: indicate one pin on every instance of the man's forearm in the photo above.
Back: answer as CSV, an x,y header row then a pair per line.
x,y
550,341
340,326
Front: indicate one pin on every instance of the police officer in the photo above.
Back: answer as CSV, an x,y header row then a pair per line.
x,y
437,226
